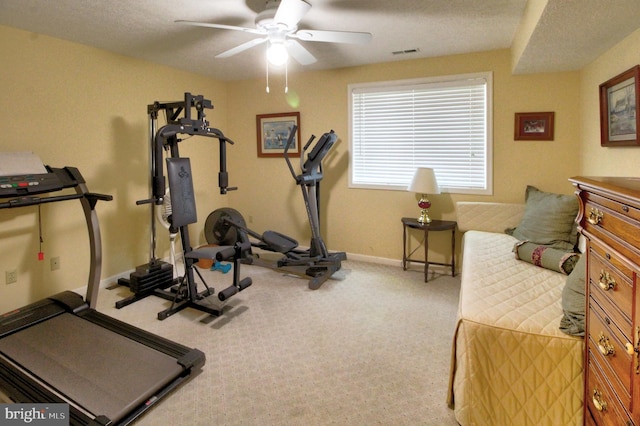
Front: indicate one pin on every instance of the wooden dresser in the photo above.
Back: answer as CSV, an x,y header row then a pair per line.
x,y
610,220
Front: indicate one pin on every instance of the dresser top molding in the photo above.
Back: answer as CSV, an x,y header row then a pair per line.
x,y
624,189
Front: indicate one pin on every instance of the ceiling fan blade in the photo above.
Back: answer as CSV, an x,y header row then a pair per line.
x,y
219,26
290,12
333,36
241,48
299,53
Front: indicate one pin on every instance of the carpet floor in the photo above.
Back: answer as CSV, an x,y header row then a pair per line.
x,y
372,347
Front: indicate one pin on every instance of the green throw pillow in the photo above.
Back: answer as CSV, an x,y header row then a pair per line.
x,y
548,219
573,300
546,257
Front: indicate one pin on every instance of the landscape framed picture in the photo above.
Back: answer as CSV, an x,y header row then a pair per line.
x,y
618,115
534,126
273,133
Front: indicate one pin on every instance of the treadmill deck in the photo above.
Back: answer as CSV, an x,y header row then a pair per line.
x,y
99,370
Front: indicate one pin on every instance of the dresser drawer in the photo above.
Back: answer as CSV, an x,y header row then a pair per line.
x,y
613,258
611,278
609,346
599,218
601,400
627,211
613,314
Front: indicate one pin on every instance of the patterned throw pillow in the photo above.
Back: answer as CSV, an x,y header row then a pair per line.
x,y
546,257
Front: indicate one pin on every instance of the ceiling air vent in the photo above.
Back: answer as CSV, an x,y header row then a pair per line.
x,y
405,52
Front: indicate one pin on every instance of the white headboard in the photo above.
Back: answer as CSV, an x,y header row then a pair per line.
x,y
489,217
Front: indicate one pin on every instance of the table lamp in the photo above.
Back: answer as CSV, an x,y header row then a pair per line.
x,y
424,182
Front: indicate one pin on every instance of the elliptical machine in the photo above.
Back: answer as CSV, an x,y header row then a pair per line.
x,y
227,226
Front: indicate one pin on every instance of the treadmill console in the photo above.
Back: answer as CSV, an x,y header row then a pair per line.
x,y
22,174
29,184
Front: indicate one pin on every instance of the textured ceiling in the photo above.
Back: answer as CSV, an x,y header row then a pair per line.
x,y
567,35
571,33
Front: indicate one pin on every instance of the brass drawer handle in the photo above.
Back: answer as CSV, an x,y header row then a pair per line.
x,y
595,216
598,401
635,350
606,281
605,347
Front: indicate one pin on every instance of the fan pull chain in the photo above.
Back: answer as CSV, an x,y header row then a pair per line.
x,y
267,62
286,77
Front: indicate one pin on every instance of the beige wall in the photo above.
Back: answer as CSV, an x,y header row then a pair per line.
x,y
79,106
367,222
597,160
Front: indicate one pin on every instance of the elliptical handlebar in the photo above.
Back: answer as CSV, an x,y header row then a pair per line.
x,y
311,166
303,167
290,140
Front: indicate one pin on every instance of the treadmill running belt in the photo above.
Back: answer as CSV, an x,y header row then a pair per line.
x,y
103,372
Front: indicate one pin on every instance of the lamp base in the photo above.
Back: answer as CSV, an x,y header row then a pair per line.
x,y
424,217
424,204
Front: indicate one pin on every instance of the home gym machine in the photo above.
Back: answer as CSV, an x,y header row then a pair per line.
x,y
226,225
61,350
157,276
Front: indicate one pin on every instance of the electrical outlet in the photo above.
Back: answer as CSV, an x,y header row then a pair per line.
x,y
11,276
55,263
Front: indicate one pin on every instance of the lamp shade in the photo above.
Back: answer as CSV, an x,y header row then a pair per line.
x,y
424,182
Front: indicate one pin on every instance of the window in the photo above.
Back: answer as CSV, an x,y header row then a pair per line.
x,y
442,123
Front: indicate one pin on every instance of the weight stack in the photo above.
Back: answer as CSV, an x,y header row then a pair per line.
x,y
151,276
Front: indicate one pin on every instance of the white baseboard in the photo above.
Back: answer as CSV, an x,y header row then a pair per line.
x,y
114,279
109,281
106,282
374,259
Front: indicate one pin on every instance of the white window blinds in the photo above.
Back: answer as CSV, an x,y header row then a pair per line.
x,y
399,126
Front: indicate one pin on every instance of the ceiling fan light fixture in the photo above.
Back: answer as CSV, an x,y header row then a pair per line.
x,y
277,53
277,24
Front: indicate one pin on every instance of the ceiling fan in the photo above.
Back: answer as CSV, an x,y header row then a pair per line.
x,y
278,24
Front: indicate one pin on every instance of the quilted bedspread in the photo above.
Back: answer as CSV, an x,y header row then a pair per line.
x,y
511,364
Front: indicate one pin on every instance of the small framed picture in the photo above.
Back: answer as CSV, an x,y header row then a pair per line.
x,y
273,133
534,126
618,116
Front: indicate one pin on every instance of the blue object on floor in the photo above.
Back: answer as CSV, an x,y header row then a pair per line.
x,y
224,268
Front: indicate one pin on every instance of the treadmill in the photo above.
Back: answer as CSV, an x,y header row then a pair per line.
x,y
61,350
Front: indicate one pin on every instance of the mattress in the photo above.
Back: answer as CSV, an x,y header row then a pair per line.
x,y
511,364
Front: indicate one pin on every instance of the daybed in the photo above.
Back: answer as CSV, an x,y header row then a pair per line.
x,y
511,363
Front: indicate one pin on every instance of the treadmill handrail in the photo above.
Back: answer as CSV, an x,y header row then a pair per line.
x,y
88,201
